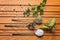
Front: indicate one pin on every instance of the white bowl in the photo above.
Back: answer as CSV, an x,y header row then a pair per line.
x,y
39,32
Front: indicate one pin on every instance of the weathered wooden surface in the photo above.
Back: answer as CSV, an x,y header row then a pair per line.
x,y
7,13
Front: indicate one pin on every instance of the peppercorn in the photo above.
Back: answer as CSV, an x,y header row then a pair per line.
x,y
31,26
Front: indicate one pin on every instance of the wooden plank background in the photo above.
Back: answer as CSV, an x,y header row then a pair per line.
x,y
7,13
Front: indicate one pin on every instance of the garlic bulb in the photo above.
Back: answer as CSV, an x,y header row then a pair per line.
x,y
39,32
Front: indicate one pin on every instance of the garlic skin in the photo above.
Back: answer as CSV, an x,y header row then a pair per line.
x,y
39,32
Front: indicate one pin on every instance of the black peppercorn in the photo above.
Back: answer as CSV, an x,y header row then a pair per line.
x,y
31,26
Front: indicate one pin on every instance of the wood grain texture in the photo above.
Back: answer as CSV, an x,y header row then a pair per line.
x,y
25,2
21,13
23,26
9,20
18,8
7,13
26,38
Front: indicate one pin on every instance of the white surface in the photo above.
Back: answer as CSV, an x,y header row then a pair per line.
x,y
39,32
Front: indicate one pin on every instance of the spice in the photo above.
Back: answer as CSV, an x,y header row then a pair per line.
x,y
31,26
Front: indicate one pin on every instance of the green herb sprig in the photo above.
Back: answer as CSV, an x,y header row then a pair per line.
x,y
27,12
39,9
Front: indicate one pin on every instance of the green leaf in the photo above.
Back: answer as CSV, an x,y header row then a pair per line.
x,y
27,12
33,8
35,14
38,7
44,27
43,4
46,24
41,12
44,1
52,22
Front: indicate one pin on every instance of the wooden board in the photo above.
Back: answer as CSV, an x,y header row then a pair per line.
x,y
7,13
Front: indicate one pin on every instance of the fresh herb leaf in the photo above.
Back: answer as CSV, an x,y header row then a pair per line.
x,y
50,26
52,22
44,1
41,12
38,7
27,12
35,14
41,6
33,8
44,27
